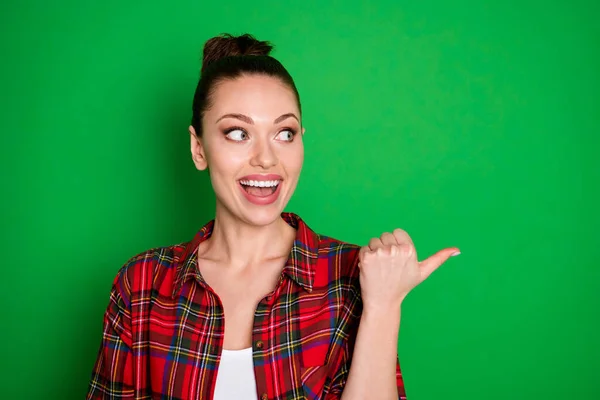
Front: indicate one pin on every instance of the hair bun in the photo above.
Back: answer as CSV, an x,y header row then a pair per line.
x,y
226,45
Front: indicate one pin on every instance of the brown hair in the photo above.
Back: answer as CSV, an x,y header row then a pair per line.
x,y
229,57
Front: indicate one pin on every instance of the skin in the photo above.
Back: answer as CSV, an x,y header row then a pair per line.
x,y
242,260
389,270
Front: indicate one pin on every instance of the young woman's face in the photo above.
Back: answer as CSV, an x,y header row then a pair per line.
x,y
252,147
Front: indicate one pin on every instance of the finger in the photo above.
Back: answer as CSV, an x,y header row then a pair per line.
x,y
402,237
388,239
375,243
407,251
361,253
435,261
387,250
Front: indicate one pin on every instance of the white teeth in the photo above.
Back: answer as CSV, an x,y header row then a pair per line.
x,y
260,183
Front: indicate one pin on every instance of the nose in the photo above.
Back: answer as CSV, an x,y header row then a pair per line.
x,y
263,155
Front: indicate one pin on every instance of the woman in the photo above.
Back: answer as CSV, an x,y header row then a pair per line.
x,y
256,305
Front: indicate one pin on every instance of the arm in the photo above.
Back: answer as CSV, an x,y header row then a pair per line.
x,y
374,370
367,365
112,376
389,270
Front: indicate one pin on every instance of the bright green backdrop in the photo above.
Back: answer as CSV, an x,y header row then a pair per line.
x,y
466,124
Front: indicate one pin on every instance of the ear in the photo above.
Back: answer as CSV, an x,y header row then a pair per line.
x,y
303,130
197,148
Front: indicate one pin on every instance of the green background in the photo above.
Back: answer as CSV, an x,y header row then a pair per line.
x,y
466,124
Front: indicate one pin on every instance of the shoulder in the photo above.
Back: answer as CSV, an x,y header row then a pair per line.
x,y
329,259
337,263
151,269
340,252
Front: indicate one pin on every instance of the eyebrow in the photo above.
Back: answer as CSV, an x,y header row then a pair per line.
x,y
249,120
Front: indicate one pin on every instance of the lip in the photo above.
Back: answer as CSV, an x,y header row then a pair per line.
x,y
259,177
262,201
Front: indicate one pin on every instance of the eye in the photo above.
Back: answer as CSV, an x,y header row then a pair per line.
x,y
236,134
286,135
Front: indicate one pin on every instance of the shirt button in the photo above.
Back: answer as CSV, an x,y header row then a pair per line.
x,y
260,345
264,396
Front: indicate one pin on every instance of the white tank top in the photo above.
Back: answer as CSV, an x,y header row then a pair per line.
x,y
235,377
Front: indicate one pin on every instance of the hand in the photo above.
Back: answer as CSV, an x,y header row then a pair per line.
x,y
389,269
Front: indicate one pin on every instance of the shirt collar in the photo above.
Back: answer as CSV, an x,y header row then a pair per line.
x,y
300,266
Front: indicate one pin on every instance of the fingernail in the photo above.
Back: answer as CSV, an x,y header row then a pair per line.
x,y
456,253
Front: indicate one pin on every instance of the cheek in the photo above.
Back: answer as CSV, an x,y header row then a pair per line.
x,y
223,160
296,158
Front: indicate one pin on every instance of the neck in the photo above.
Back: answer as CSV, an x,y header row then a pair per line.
x,y
238,243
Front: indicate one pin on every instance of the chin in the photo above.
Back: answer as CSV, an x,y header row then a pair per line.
x,y
256,209
261,215
251,214
262,207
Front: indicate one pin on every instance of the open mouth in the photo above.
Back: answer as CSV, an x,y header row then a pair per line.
x,y
260,188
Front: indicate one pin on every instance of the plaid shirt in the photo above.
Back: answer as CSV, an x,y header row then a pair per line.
x,y
164,326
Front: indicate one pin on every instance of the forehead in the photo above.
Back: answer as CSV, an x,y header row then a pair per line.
x,y
253,95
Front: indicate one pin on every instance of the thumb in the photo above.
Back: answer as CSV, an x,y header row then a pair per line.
x,y
432,263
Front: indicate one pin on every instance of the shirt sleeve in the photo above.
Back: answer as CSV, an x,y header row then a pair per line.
x,y
351,320
339,380
112,376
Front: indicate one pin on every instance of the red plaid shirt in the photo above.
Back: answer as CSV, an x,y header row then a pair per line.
x,y
164,326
